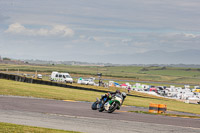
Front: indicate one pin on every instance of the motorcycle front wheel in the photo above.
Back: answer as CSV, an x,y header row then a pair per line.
x,y
113,107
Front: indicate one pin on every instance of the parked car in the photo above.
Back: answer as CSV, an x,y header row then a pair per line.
x,y
87,81
39,76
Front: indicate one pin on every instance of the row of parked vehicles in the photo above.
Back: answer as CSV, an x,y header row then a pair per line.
x,y
66,78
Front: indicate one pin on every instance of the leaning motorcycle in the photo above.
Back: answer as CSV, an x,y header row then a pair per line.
x,y
114,103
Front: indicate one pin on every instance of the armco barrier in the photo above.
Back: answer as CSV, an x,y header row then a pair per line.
x,y
39,81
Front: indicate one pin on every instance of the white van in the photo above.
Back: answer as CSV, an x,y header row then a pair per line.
x,y
61,77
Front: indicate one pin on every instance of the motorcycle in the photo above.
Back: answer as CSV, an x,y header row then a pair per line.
x,y
110,106
114,103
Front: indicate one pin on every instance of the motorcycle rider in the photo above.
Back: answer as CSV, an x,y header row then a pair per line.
x,y
109,96
124,96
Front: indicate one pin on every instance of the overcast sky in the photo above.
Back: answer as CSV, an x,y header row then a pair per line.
x,y
69,29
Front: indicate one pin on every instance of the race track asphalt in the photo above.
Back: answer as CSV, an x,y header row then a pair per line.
x,y
78,116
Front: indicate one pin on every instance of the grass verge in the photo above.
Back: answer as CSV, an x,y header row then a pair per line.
x,y
14,128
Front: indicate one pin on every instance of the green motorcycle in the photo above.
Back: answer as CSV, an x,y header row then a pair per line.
x,y
114,103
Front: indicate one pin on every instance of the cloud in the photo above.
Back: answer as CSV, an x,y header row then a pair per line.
x,y
180,36
55,30
191,35
108,44
90,38
126,40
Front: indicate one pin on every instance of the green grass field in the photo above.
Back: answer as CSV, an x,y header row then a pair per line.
x,y
14,128
8,87
158,74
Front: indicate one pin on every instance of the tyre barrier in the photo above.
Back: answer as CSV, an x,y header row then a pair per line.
x,y
153,108
157,108
162,108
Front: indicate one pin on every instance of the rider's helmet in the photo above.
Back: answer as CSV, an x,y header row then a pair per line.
x,y
117,91
123,94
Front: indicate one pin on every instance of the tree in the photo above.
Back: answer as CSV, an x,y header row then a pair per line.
x,y
5,58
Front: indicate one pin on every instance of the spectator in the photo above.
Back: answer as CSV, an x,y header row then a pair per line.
x,y
129,89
